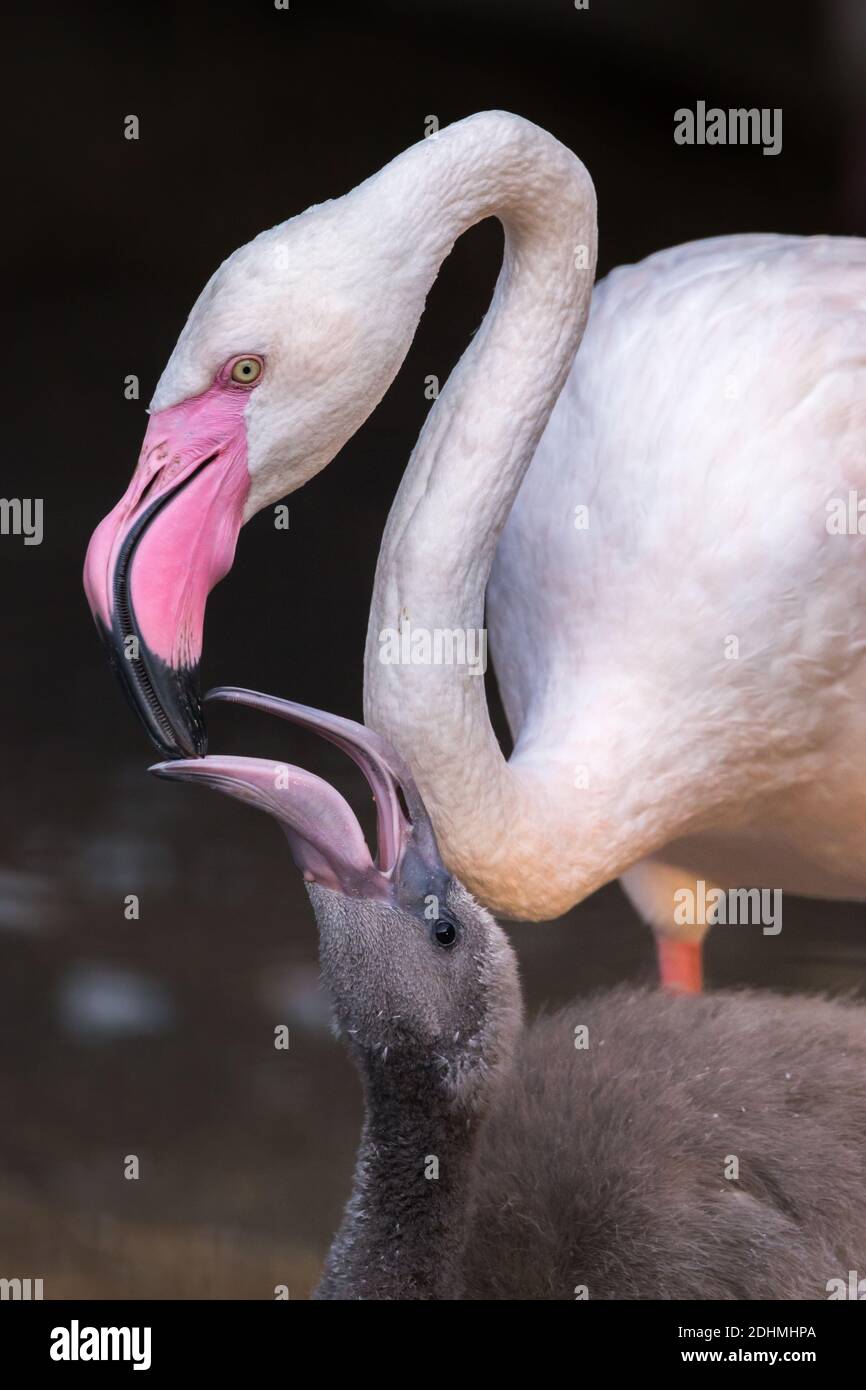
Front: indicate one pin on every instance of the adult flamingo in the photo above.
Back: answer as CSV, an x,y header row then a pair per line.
x,y
678,637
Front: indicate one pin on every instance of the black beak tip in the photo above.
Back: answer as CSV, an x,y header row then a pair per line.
x,y
165,698
190,742
178,729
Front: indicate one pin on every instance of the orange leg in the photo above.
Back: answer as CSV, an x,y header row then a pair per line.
x,y
680,964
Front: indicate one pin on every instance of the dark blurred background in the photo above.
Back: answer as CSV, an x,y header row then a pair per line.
x,y
155,1037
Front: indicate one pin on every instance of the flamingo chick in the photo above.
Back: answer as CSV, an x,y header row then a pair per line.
x,y
633,1145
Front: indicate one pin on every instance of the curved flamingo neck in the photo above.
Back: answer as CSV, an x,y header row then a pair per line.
x,y
495,821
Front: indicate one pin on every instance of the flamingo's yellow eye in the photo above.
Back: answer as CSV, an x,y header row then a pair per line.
x,y
246,370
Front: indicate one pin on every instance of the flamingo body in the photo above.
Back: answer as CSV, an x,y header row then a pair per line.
x,y
695,638
677,620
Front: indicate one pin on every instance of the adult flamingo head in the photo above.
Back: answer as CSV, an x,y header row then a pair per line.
x,y
288,349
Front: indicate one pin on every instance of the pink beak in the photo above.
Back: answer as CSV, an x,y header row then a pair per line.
x,y
154,559
324,836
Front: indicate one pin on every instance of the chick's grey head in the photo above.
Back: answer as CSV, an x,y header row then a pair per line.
x,y
425,989
422,979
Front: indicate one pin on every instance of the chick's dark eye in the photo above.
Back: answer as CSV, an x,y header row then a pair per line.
x,y
444,932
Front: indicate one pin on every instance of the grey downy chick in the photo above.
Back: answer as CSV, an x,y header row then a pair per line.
x,y
633,1145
